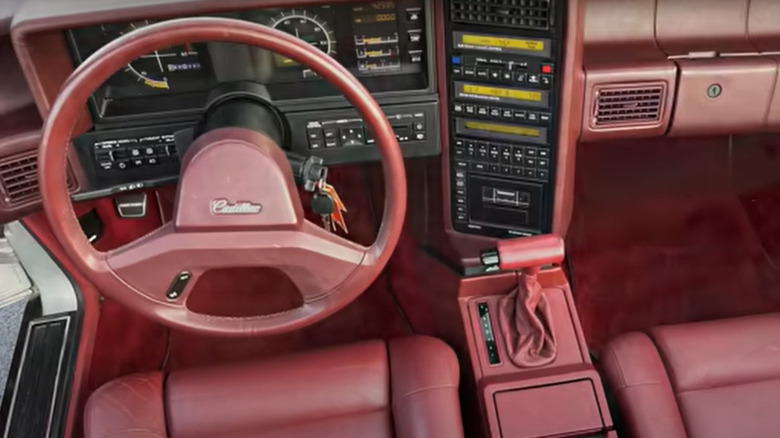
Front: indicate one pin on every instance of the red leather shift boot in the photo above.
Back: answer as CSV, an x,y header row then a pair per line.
x,y
525,322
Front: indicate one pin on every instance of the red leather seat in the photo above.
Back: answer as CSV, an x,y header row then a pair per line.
x,y
711,379
402,388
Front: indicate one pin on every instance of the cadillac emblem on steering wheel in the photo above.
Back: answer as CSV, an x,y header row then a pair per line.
x,y
223,206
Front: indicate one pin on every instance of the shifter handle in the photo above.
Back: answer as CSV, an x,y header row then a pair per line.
x,y
527,253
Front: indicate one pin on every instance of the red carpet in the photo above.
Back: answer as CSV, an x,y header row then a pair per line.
x,y
658,237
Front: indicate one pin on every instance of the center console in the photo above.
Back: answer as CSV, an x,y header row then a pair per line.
x,y
504,90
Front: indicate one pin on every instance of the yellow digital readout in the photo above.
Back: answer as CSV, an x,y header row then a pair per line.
x,y
533,96
503,129
504,43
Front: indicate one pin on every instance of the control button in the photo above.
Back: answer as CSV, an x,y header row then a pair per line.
x,y
482,110
460,174
532,152
518,171
482,73
507,113
460,200
506,154
106,165
493,168
152,161
123,164
419,136
529,173
544,153
315,144
415,57
403,133
331,143
521,115
495,74
413,14
104,157
135,152
482,151
352,137
495,153
495,112
461,184
506,170
148,151
457,70
545,118
462,165
547,69
460,217
457,60
479,167
460,209
543,174
458,143
518,157
460,153
469,71
460,192
415,36
530,162
506,75
330,133
520,77
418,126
471,109
314,134
546,81
137,162
543,163
458,108
533,78
471,150
533,117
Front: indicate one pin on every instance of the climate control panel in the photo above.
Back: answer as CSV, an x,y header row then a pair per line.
x,y
503,106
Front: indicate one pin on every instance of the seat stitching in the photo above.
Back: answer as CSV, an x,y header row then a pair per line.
x,y
668,368
428,388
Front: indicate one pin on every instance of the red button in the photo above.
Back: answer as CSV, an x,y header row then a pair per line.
x,y
546,69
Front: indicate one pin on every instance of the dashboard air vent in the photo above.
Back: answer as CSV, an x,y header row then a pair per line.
x,y
526,14
19,178
620,105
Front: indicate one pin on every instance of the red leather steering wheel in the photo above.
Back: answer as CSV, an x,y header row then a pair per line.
x,y
228,166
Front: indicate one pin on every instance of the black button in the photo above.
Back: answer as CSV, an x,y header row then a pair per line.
x,y
495,74
148,151
418,126
533,117
419,136
457,70
529,162
463,165
461,217
331,143
330,133
543,163
482,73
471,109
314,134
460,184
518,171
546,81
103,157
544,153
518,157
506,154
521,115
415,37
493,168
506,75
135,152
460,192
458,143
531,152
520,77
458,108
460,153
479,167
533,78
507,113
495,153
171,149
543,174
482,110
495,112
352,137
545,118
315,144
152,161
461,209
122,164
529,173
506,170
137,162
482,151
413,14
460,174
469,71
106,165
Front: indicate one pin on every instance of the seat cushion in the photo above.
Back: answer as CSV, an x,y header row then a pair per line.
x,y
405,387
711,379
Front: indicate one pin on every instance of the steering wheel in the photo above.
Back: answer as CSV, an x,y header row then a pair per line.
x,y
237,204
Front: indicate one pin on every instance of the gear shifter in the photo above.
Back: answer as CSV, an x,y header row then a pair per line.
x,y
525,319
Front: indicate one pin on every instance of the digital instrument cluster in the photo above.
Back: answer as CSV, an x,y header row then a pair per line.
x,y
383,43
